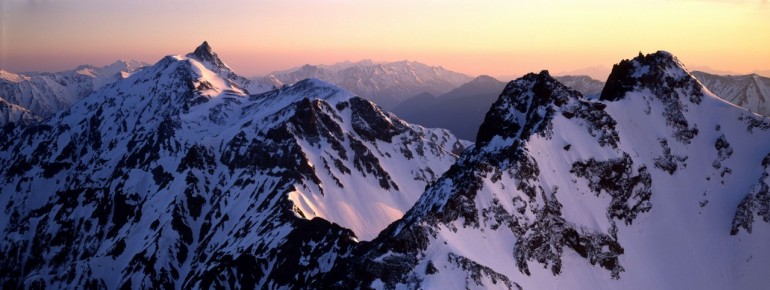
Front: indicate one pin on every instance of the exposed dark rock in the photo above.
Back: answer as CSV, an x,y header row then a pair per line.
x,y
661,74
630,192
669,162
476,272
756,203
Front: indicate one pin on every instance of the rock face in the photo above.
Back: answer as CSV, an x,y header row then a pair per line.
x,y
387,84
748,91
175,177
637,189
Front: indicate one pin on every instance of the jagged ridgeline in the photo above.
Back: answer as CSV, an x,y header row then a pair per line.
x,y
27,98
655,184
387,84
749,91
178,177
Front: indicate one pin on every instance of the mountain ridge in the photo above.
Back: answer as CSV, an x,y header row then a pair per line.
x,y
750,91
387,84
44,94
544,148
176,177
462,109
179,177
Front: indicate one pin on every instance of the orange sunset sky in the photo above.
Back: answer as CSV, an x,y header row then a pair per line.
x,y
495,37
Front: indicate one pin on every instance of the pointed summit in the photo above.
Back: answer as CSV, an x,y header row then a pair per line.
x,y
524,107
204,50
205,54
208,58
204,47
653,71
658,76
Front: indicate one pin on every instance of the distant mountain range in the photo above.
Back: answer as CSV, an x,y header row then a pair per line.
x,y
406,88
584,84
44,94
386,84
462,110
748,91
14,114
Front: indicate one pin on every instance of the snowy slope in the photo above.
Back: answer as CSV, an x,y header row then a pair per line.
x,y
387,84
10,113
175,178
47,93
211,60
658,184
749,91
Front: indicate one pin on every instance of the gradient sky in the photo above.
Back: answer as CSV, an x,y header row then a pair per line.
x,y
496,37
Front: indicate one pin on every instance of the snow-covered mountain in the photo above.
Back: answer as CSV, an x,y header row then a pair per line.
x,y
211,60
44,94
387,84
330,67
749,91
658,184
10,113
584,84
176,178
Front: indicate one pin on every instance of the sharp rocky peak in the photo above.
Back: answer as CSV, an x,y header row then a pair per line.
x,y
655,71
523,107
205,54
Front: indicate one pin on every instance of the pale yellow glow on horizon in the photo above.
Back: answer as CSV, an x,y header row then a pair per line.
x,y
495,37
